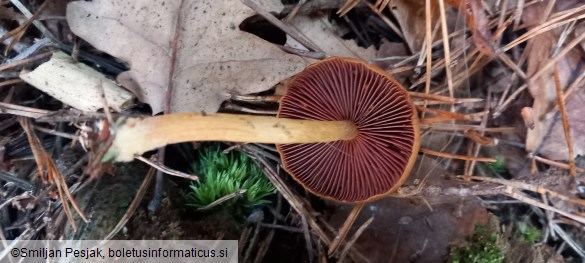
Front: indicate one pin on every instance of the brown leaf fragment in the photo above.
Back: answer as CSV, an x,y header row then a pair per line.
x,y
478,24
213,57
323,34
547,135
411,17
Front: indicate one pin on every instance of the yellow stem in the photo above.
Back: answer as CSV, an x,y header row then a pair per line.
x,y
136,136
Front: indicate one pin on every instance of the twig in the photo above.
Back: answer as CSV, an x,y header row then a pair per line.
x,y
161,167
223,199
338,241
307,234
554,163
428,47
230,106
56,133
452,115
252,98
579,250
25,61
455,156
522,197
10,82
446,48
291,31
100,88
135,202
553,61
22,110
355,236
463,127
529,187
443,98
470,165
498,111
294,11
563,18
37,24
519,9
292,199
566,127
285,228
302,52
50,173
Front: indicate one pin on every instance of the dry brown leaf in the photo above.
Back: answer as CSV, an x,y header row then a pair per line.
x,y
213,56
322,33
76,84
478,24
411,17
9,13
547,135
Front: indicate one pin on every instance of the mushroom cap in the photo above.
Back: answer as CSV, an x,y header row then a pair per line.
x,y
374,163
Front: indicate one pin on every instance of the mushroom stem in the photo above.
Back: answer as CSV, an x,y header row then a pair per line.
x,y
136,135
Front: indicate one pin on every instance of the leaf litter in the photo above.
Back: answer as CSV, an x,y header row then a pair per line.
x,y
212,59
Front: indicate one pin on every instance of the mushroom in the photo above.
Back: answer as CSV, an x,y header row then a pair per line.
x,y
346,131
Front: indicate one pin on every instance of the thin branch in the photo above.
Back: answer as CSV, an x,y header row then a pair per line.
x,y
566,127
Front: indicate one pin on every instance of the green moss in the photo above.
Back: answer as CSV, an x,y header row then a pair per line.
x,y
499,166
528,233
482,248
224,174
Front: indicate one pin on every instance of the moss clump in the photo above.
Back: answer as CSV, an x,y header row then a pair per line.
x,y
225,174
528,233
482,248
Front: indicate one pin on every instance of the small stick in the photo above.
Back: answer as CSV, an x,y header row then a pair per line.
x,y
565,118
165,169
349,4
455,156
355,236
555,163
522,197
302,52
10,82
294,11
519,9
34,19
498,111
25,61
526,186
454,115
251,98
447,49
291,31
462,127
481,139
560,20
553,61
428,47
443,98
345,229
135,202
223,199
57,133
231,106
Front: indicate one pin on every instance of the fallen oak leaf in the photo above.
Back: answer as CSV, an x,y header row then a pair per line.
x,y
478,24
213,57
322,33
